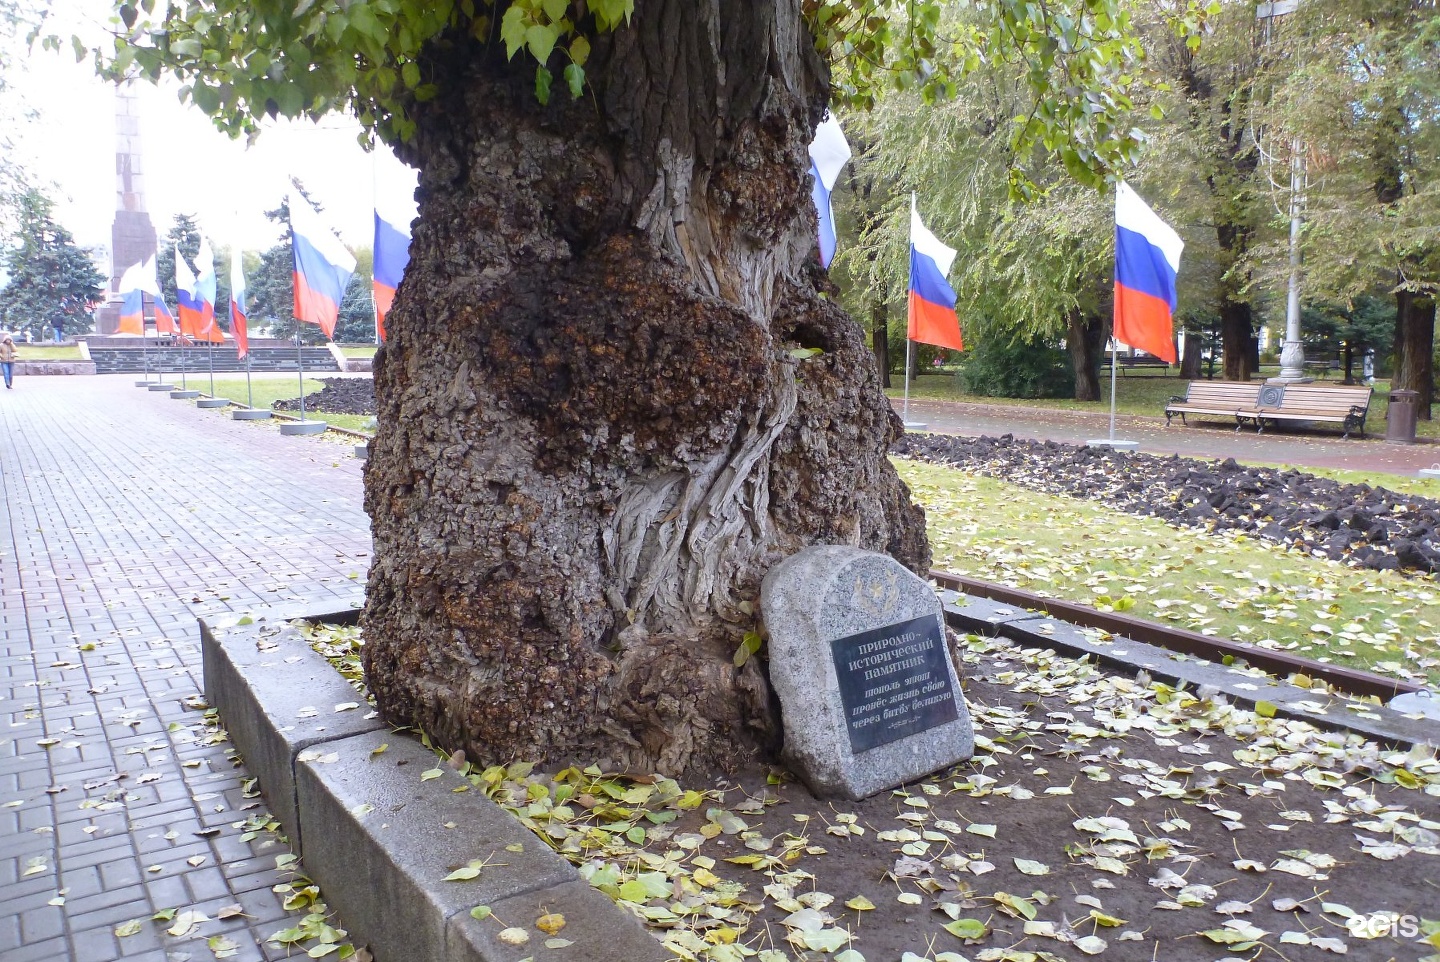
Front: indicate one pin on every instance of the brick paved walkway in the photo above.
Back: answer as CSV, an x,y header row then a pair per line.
x,y
128,515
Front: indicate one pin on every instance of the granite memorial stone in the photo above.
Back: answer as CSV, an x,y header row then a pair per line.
x,y
868,692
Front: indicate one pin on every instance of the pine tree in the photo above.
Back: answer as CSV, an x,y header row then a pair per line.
x,y
52,281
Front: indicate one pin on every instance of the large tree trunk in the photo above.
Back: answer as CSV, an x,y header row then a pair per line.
x,y
1190,360
1085,340
1236,333
1415,349
880,336
593,438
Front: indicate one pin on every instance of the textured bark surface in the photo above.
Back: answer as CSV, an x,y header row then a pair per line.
x,y
1415,349
1237,332
1085,336
593,439
1190,359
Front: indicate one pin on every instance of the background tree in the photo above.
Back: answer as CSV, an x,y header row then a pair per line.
x,y
17,18
1348,331
357,311
595,436
1210,111
1036,273
51,280
1360,87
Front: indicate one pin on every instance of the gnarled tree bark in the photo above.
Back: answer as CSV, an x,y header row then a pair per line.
x,y
593,437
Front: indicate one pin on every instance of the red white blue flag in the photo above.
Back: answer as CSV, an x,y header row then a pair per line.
x,y
239,324
205,285
829,152
1147,258
132,308
323,267
932,299
187,298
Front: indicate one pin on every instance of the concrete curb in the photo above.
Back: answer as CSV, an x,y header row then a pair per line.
x,y
377,838
1033,629
45,368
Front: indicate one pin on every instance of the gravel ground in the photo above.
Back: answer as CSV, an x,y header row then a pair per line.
x,y
341,395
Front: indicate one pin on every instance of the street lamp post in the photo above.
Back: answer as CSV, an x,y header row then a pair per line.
x,y
1292,351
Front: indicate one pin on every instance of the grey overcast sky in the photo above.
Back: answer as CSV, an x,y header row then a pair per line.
x,y
189,166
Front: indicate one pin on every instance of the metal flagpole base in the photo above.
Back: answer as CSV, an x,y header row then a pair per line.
x,y
250,414
1430,472
184,395
362,451
303,427
149,384
212,402
1116,444
916,425
162,386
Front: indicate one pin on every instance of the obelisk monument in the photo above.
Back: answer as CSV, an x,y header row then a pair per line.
x,y
132,236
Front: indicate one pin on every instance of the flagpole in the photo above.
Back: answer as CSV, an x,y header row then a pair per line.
x,y
300,363
212,367
249,391
1114,363
905,410
144,346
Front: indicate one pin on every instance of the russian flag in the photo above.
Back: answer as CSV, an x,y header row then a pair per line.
x,y
239,324
187,298
164,320
1147,258
323,267
205,286
395,210
828,153
392,254
132,309
932,299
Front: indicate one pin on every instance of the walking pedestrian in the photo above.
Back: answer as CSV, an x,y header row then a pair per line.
x,y
59,326
7,359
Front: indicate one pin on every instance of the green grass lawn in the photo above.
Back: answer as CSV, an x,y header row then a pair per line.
x,y
1136,395
1226,584
364,350
280,387
47,352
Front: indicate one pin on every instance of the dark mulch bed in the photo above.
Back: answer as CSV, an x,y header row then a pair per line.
x,y
341,395
1366,526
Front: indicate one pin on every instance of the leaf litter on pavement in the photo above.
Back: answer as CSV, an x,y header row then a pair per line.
x,y
1102,816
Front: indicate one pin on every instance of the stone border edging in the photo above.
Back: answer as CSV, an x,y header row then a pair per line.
x,y
1037,630
376,837
48,368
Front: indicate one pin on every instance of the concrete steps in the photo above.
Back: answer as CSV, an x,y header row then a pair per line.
x,y
131,360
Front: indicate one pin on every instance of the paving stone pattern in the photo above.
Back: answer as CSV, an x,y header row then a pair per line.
x,y
127,516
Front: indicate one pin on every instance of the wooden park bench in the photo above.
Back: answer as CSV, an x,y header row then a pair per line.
x,y
1323,368
1235,399
1130,362
1338,404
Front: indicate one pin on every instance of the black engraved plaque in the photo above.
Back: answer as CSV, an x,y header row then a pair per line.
x,y
894,681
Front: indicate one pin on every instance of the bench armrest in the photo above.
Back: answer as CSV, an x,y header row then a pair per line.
x,y
1177,399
